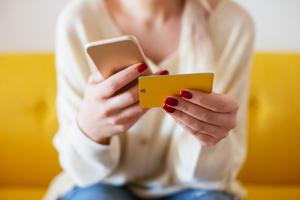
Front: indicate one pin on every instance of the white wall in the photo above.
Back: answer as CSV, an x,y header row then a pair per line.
x,y
28,25
277,23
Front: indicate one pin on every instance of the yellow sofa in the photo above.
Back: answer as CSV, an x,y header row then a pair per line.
x,y
28,122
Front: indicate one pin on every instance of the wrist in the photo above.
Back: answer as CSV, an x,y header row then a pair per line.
x,y
95,138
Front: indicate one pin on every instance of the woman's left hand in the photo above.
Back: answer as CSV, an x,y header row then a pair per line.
x,y
208,116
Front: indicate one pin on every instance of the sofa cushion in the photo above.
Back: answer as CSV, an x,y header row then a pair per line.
x,y
274,192
17,193
27,119
274,122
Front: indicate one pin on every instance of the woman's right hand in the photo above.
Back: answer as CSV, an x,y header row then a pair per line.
x,y
104,114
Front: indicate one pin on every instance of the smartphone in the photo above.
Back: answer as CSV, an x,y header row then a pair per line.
x,y
153,90
112,55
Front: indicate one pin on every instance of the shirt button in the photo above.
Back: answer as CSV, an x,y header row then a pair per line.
x,y
143,141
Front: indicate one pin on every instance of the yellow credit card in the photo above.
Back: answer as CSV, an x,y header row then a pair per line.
x,y
153,90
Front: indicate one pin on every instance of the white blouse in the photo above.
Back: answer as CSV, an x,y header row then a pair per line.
x,y
156,156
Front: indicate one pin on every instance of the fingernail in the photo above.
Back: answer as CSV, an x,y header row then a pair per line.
x,y
185,94
168,109
171,101
141,68
164,72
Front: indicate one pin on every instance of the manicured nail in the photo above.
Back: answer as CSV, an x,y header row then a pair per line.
x,y
168,108
141,68
171,101
185,94
164,72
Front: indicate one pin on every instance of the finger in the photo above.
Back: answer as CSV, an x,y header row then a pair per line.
x,y
122,78
205,139
127,115
201,113
129,97
203,127
123,100
212,101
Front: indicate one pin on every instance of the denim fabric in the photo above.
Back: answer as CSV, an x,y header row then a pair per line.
x,y
101,191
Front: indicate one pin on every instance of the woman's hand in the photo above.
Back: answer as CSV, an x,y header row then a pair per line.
x,y
208,116
105,113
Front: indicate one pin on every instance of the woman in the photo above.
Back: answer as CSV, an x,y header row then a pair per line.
x,y
194,146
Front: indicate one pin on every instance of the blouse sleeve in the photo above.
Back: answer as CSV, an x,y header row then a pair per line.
x,y
76,151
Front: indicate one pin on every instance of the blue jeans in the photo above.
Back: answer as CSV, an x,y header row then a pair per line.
x,y
101,191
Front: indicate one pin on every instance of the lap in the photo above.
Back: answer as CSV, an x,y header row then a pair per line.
x,y
108,192
199,194
99,191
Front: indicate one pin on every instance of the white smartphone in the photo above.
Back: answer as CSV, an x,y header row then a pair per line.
x,y
113,55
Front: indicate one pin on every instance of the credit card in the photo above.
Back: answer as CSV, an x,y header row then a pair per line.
x,y
154,89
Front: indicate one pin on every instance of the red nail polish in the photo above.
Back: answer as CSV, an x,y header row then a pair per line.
x,y
185,94
171,101
164,72
168,109
141,68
